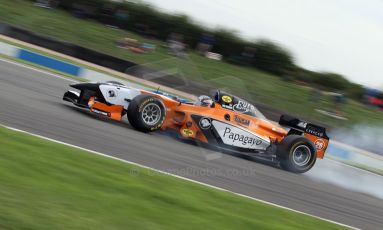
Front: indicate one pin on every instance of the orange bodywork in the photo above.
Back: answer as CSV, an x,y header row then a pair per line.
x,y
112,111
319,143
179,118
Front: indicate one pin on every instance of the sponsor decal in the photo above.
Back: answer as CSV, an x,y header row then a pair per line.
x,y
319,144
230,106
112,93
238,137
242,120
314,132
205,123
243,139
227,99
188,132
302,124
243,107
100,112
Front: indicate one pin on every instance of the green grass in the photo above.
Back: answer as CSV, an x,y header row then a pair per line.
x,y
249,82
45,185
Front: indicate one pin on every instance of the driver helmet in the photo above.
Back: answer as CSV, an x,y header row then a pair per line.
x,y
205,100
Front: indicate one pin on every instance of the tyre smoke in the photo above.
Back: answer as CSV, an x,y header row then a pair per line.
x,y
348,177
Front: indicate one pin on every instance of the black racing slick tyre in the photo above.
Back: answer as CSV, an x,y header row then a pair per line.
x,y
296,154
146,113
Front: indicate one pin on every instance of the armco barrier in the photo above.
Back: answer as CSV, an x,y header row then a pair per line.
x,y
337,151
48,62
65,67
62,66
8,50
66,48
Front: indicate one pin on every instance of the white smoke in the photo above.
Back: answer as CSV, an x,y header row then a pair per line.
x,y
366,137
348,177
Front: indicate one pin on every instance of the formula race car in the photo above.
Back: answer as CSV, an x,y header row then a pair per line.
x,y
224,121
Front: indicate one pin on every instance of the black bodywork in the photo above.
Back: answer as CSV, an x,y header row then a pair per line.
x,y
87,90
298,127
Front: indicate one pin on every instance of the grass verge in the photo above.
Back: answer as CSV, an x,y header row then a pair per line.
x,y
45,185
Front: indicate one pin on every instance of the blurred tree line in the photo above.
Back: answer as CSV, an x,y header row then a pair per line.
x,y
261,54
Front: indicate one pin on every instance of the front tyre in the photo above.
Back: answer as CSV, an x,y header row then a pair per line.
x,y
296,154
146,113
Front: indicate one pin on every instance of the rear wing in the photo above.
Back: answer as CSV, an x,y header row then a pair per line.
x,y
315,133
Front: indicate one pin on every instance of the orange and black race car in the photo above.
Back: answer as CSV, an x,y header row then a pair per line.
x,y
224,120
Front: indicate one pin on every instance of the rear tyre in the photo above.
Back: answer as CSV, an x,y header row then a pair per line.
x,y
146,113
296,154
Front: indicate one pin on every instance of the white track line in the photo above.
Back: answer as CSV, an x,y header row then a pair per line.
x,y
174,175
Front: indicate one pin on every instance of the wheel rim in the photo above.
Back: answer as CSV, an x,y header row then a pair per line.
x,y
301,155
151,114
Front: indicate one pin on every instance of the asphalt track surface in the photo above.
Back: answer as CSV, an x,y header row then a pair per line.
x,y
32,101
